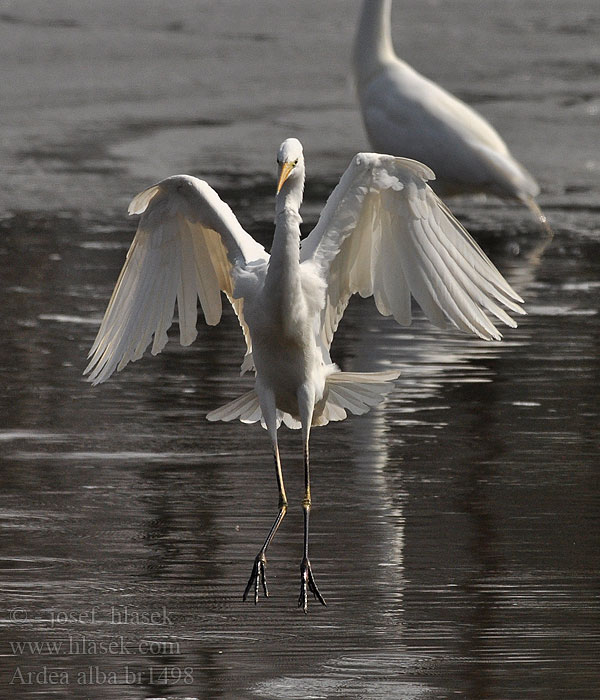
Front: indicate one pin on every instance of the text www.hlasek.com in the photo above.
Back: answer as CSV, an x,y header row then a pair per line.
x,y
83,645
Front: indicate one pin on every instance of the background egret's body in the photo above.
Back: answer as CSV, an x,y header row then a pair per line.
x,y
383,232
408,115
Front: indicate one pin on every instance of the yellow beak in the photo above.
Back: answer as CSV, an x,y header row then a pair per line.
x,y
284,173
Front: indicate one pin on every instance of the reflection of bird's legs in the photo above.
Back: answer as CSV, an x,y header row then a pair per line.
x,y
307,581
258,575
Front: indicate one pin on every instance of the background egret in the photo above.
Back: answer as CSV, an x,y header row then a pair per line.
x,y
408,115
383,232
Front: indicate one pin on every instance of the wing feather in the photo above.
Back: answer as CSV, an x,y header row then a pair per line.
x,y
206,255
188,246
398,291
474,284
187,295
383,232
446,291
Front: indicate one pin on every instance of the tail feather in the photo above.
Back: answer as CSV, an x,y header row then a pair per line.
x,y
388,375
245,407
356,392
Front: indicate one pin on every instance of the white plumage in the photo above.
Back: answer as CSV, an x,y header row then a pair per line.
x,y
382,233
408,115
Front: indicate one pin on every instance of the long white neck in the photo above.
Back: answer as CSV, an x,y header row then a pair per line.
x,y
284,262
373,47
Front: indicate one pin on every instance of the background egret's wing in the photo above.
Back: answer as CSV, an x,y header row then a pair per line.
x,y
383,232
188,245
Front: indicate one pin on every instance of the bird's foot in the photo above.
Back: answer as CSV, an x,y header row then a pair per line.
x,y
307,583
257,578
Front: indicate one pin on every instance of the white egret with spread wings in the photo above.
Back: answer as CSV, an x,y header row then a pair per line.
x,y
406,114
383,233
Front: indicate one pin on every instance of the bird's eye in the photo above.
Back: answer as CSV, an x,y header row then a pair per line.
x,y
296,162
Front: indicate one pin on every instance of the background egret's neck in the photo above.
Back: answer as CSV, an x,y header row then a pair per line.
x,y
373,41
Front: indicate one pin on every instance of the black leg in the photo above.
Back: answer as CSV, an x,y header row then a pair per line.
x,y
258,575
307,581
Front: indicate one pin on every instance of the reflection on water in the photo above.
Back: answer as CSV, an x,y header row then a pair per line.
x,y
455,529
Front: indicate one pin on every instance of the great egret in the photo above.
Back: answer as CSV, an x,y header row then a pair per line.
x,y
383,232
408,115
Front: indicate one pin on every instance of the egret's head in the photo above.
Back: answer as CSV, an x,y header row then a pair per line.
x,y
289,161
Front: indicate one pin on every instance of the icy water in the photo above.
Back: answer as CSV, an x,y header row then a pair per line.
x,y
455,530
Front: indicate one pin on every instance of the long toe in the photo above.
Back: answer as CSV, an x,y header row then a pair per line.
x,y
257,578
307,583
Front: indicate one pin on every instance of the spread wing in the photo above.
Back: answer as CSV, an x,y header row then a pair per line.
x,y
188,246
384,232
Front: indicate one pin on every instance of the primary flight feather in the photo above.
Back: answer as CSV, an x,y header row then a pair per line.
x,y
383,233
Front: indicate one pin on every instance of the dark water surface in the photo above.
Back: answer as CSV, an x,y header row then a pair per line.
x,y
455,529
